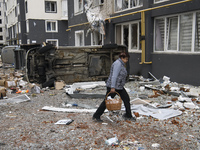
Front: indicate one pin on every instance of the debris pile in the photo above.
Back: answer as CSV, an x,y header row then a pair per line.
x,y
61,117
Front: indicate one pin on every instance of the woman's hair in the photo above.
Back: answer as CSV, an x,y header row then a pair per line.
x,y
124,55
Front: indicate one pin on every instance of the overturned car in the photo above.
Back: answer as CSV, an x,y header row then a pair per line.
x,y
71,64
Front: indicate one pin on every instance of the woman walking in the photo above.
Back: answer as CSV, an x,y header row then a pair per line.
x,y
115,83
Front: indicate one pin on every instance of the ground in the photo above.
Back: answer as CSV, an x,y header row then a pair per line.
x,y
27,126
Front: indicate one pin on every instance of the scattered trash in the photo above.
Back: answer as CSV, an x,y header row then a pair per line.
x,y
155,145
160,114
109,119
112,141
65,121
17,99
69,110
83,85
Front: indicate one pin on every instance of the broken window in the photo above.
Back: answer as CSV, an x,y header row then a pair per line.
x,y
125,34
79,38
78,6
51,26
52,41
134,36
118,34
126,4
197,32
96,38
172,32
178,33
50,6
129,34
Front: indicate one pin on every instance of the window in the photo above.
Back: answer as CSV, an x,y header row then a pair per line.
x,y
1,37
129,35
0,21
27,26
79,38
52,41
185,41
64,8
1,30
197,33
159,34
178,33
50,7
78,6
28,41
127,4
172,33
15,11
26,7
19,27
18,10
51,26
157,1
96,38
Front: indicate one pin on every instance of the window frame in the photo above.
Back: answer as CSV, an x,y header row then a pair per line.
x,y
128,6
78,11
64,8
27,26
26,6
160,1
100,36
50,11
51,21
138,49
19,27
52,40
77,41
193,38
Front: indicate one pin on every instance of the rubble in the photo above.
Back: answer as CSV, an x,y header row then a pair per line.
x,y
167,116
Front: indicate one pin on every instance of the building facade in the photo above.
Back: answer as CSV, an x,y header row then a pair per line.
x,y
36,21
162,36
2,24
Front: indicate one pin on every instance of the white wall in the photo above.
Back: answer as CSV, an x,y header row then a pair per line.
x,y
36,10
3,33
10,13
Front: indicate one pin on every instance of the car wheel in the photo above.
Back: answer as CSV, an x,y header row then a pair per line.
x,y
49,83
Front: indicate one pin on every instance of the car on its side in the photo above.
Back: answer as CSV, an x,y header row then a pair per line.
x,y
71,64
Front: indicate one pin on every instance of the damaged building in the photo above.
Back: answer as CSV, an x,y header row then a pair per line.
x,y
162,36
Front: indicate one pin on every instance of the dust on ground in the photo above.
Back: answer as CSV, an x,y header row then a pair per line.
x,y
27,126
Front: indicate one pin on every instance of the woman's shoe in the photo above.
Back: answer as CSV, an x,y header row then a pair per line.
x,y
97,119
129,118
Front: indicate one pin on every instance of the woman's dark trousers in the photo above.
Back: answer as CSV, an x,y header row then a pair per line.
x,y
125,98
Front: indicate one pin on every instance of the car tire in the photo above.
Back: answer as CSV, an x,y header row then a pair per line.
x,y
49,83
